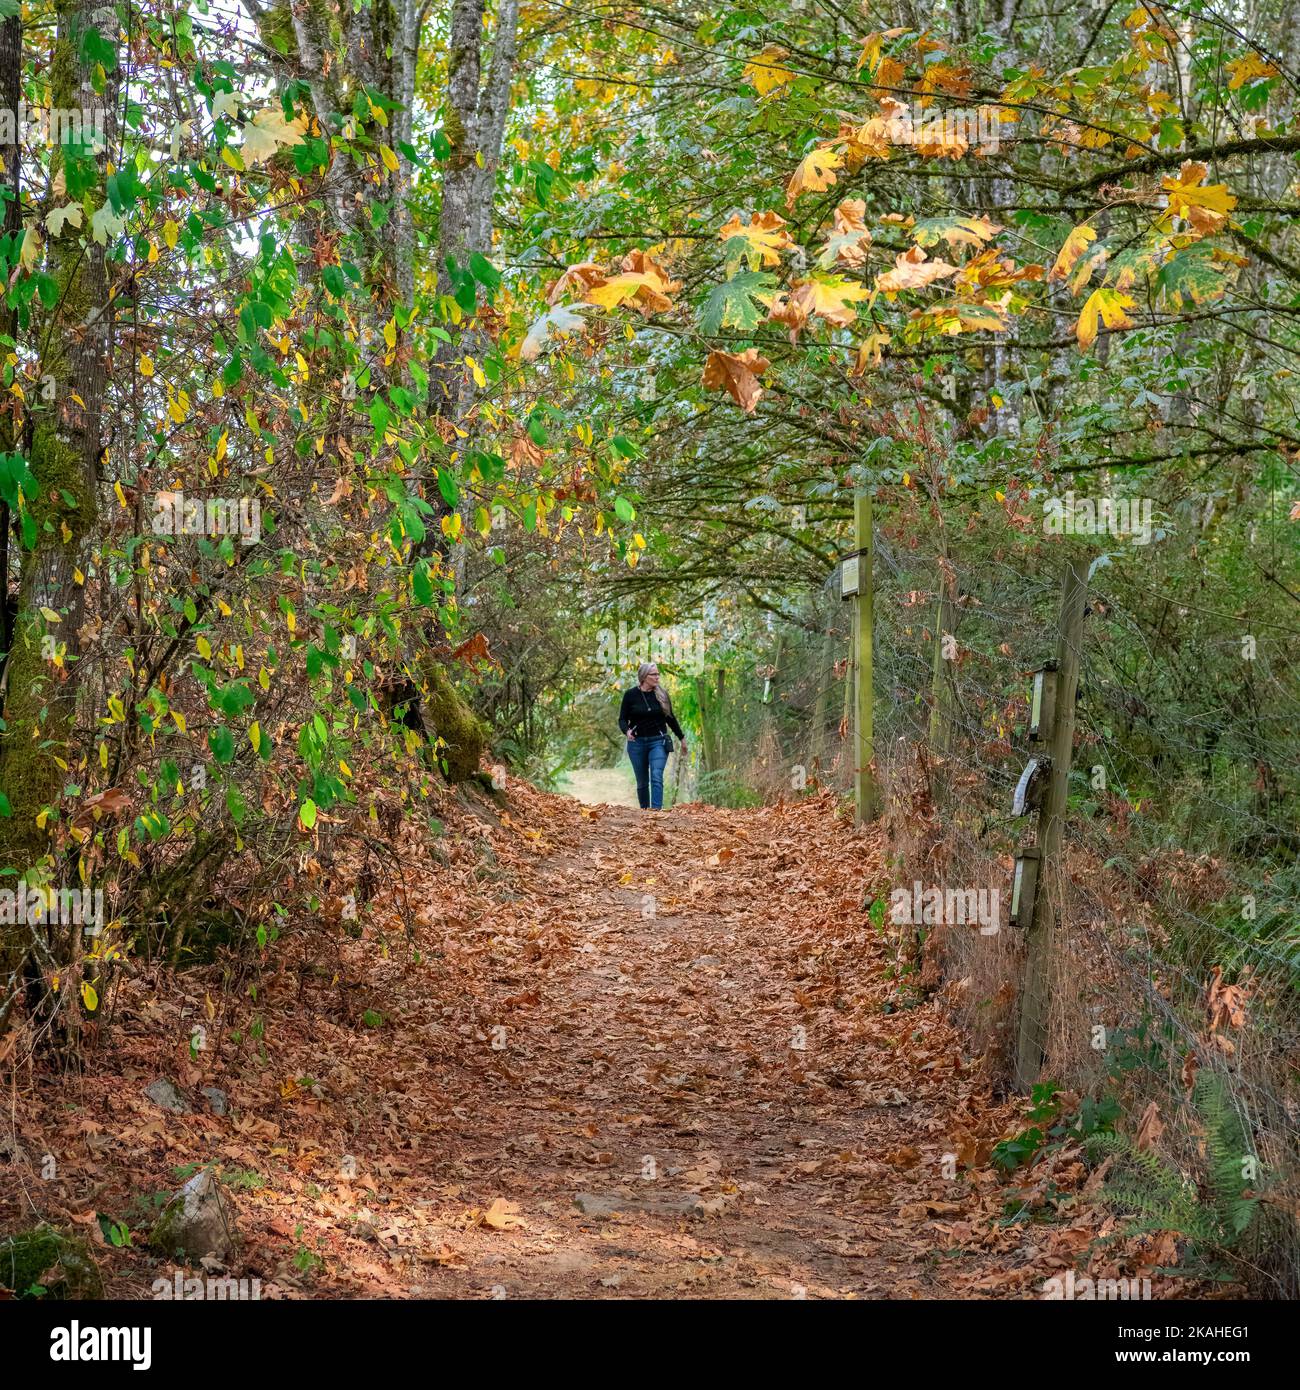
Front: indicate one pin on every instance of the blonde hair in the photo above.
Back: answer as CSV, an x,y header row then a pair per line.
x,y
661,694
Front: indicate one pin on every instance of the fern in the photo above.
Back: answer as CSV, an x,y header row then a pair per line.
x,y
1219,1223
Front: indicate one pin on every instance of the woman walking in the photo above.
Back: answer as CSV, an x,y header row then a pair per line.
x,y
645,717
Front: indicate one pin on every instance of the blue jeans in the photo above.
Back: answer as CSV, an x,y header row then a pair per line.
x,y
649,757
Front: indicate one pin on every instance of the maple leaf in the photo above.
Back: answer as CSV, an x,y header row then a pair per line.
x,y
760,243
1192,275
765,72
1248,67
1110,306
849,238
816,172
940,138
869,58
106,803
960,317
891,126
1075,244
268,131
500,1216
106,225
829,296
869,353
647,290
891,72
913,272
473,650
856,151
790,312
581,278
956,231
737,374
69,216
989,271
1206,207
737,303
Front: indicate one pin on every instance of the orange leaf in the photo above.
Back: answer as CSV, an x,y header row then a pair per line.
x,y
913,272
737,374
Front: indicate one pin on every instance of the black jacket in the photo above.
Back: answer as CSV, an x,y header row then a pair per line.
x,y
643,715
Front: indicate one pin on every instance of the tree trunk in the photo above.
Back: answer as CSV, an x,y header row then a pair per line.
x,y
40,686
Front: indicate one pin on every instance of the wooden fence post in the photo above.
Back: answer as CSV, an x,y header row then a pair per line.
x,y
1035,995
941,683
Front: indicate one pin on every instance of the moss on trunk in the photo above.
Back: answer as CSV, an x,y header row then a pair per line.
x,y
451,719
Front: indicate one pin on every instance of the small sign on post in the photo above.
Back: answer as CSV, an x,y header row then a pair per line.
x,y
1024,887
1042,712
849,581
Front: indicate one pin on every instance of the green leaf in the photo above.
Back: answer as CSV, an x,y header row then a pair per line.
x,y
222,743
484,271
740,302
421,584
307,813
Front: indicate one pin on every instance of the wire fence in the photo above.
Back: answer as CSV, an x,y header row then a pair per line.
x,y
1176,950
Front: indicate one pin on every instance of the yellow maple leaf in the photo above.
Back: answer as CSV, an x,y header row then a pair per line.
x,y
869,353
831,296
1074,246
764,237
268,131
765,72
816,172
1248,67
1111,307
643,289
869,58
1205,206
912,272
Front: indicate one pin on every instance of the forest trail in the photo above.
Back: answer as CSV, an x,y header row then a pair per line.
x,y
621,1055
601,786
692,1106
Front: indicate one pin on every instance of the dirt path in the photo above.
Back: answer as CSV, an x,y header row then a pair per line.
x,y
601,786
701,1096
590,1053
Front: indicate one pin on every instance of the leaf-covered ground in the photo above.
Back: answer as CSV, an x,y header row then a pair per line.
x,y
615,1055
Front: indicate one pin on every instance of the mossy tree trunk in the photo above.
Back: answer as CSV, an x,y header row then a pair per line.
x,y
37,755
11,91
